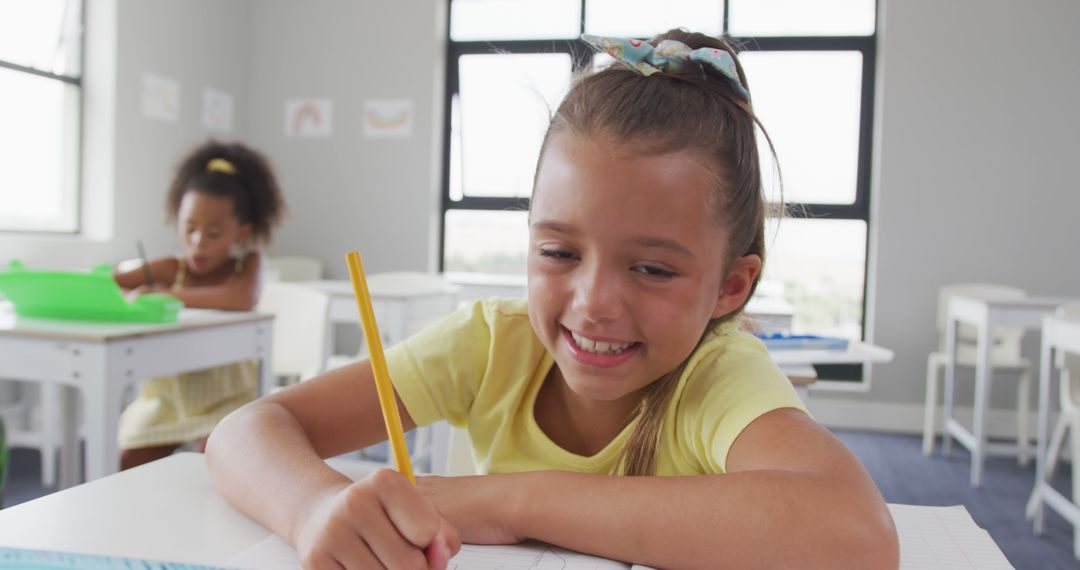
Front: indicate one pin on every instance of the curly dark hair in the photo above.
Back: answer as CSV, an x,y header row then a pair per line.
x,y
253,189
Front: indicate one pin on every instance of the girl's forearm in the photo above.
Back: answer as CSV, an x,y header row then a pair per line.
x,y
263,464
224,297
767,519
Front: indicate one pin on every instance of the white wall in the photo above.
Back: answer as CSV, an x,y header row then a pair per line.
x,y
347,192
978,138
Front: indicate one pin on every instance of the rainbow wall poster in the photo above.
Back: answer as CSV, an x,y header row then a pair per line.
x,y
388,118
308,118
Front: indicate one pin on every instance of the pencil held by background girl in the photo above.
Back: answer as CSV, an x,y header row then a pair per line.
x,y
225,202
619,410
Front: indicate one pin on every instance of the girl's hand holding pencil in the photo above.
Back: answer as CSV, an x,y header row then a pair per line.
x,y
382,520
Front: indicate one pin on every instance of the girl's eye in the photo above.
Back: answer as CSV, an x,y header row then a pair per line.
x,y
558,254
654,271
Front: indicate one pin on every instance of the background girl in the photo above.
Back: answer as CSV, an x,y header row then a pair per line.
x,y
646,240
225,202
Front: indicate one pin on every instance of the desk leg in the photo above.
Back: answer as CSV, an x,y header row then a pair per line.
x,y
950,385
69,436
1034,510
263,342
102,428
982,398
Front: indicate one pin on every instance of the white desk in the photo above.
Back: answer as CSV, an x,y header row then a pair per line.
x,y
984,315
169,510
799,363
102,359
1058,334
396,304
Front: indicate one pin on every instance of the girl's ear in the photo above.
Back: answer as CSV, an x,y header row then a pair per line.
x,y
737,284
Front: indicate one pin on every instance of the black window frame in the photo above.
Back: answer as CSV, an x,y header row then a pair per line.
x,y
582,56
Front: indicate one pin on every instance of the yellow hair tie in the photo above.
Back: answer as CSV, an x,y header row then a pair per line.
x,y
220,165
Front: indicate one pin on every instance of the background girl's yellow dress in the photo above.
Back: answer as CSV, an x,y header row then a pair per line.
x,y
186,407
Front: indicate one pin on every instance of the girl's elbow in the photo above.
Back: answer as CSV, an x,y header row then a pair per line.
x,y
874,543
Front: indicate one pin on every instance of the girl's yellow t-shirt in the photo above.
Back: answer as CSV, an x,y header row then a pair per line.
x,y
482,367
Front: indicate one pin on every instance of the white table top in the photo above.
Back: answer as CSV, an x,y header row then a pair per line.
x,y
857,353
1038,303
168,510
385,286
14,325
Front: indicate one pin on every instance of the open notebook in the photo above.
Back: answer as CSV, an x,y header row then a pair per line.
x,y
930,538
275,554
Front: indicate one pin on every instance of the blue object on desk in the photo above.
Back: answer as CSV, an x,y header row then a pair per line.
x,y
22,559
783,341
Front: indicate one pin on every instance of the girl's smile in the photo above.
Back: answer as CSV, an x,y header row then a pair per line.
x,y
598,352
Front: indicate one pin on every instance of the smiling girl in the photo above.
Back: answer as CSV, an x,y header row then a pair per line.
x,y
618,410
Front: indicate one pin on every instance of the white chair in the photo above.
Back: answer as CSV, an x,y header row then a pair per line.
x,y
1005,354
1068,420
294,268
301,327
38,425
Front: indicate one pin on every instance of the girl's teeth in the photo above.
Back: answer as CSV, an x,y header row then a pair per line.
x,y
599,347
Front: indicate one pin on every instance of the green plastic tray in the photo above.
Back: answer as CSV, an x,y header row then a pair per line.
x,y
81,296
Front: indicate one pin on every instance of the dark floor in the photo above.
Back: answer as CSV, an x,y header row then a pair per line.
x,y
905,476
901,472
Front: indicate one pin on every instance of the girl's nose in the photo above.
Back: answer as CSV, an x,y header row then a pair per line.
x,y
596,295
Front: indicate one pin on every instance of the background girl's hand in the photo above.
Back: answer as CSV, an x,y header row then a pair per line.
x,y
481,508
144,289
381,521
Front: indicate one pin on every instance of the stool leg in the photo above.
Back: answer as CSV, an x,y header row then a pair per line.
x,y
1072,421
930,413
1053,451
1023,408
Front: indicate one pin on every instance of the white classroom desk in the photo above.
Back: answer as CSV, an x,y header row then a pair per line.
x,y
984,315
101,360
395,307
1059,334
169,510
798,364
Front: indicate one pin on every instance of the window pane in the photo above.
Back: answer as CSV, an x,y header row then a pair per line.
x,y
801,18
43,34
822,266
506,101
816,132
642,19
486,241
472,20
37,153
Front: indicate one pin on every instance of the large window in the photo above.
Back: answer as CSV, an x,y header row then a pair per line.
x,y
810,66
40,93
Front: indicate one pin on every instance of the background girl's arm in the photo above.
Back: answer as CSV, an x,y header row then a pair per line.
x,y
267,460
793,496
239,293
163,272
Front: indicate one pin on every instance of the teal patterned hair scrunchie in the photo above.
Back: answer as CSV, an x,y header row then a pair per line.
x,y
668,55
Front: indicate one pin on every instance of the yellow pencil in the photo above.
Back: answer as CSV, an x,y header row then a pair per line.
x,y
378,366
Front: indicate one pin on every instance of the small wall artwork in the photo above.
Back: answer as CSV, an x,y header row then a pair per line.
x,y
308,118
160,98
217,110
388,118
